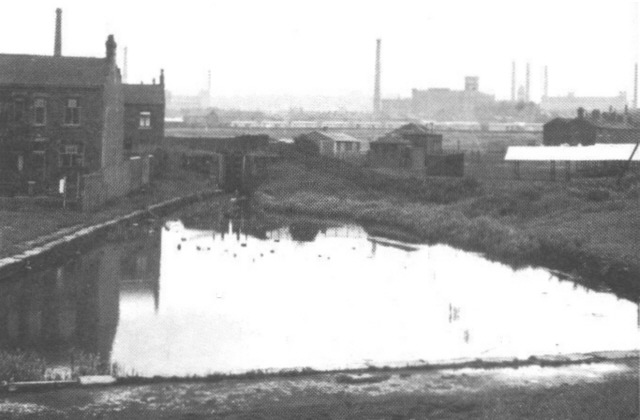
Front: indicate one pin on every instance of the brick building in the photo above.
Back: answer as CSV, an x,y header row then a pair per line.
x,y
144,109
63,118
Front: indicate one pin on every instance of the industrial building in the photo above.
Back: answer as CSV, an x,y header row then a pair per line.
x,y
565,106
591,128
441,104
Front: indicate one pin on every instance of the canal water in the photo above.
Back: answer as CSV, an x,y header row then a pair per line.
x,y
176,299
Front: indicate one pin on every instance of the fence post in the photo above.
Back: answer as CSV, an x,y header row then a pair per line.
x,y
553,170
568,170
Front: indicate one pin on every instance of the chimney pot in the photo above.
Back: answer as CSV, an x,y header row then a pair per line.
x,y
580,113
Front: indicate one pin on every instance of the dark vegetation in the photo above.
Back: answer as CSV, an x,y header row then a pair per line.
x,y
589,229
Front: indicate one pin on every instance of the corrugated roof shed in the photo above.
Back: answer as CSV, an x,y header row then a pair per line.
x,y
37,70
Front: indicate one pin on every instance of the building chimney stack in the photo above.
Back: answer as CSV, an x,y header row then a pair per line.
x,y
111,49
161,77
376,89
57,47
546,82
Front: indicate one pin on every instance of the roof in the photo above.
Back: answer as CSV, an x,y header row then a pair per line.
x,y
144,94
600,123
40,70
596,152
392,138
337,136
412,129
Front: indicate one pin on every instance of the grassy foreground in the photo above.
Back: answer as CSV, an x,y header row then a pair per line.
x,y
585,228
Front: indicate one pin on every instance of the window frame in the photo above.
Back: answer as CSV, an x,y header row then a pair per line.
x,y
72,122
146,117
35,111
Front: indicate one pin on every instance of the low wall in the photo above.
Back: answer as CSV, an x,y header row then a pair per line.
x,y
115,181
247,143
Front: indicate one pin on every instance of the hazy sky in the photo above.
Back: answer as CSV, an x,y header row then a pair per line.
x,y
327,47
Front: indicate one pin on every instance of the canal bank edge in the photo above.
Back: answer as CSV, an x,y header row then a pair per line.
x,y
489,237
68,243
550,361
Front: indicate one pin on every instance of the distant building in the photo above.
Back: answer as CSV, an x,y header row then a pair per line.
x,y
565,106
397,108
591,128
176,104
336,144
144,109
417,148
442,104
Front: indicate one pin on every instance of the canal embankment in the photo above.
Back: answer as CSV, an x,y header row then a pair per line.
x,y
85,228
588,229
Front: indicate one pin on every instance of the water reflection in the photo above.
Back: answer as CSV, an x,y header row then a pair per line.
x,y
196,300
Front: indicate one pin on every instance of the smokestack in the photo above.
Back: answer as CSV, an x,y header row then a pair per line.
x,y
376,90
125,65
546,81
635,86
57,47
513,81
527,88
209,88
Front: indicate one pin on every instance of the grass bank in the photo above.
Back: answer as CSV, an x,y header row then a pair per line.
x,y
588,228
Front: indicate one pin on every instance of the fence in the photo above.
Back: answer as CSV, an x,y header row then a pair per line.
x,y
115,181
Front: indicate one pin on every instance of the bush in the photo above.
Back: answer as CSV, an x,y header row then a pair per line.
x,y
18,366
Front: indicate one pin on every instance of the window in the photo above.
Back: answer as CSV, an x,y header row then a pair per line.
x,y
71,156
40,111
145,120
5,109
72,112
18,110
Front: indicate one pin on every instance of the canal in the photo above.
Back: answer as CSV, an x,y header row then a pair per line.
x,y
220,296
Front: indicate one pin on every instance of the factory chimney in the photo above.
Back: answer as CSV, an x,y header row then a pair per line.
x,y
527,88
209,89
546,82
57,47
513,81
125,65
376,90
635,86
